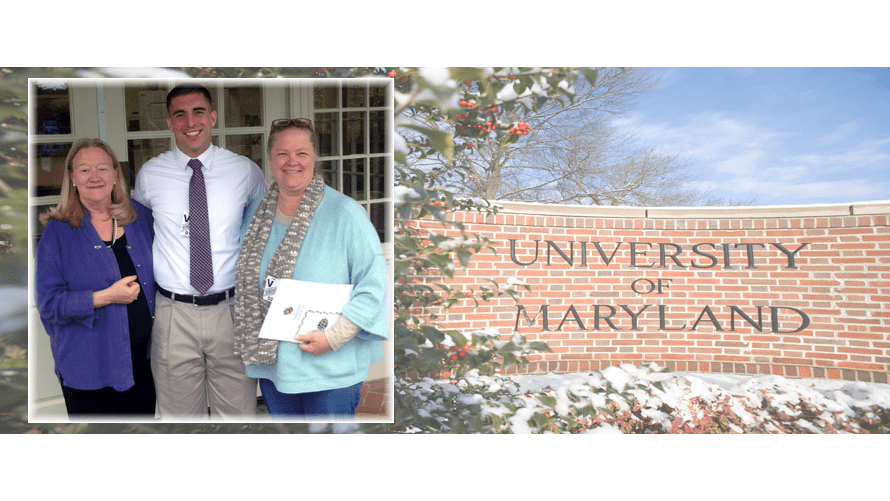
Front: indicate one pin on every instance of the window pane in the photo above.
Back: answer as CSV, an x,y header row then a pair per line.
x,y
378,178
140,151
39,227
377,95
354,178
53,108
379,219
328,170
244,106
146,107
50,167
249,145
325,96
328,131
379,132
353,96
354,133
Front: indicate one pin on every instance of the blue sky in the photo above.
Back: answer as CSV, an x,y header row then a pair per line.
x,y
784,136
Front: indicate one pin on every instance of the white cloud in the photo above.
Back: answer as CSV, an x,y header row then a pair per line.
x,y
740,157
840,191
844,132
866,153
744,163
709,136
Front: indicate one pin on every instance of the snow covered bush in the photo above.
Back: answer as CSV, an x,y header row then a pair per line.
x,y
630,399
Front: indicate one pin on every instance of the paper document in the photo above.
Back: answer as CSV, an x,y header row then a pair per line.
x,y
300,307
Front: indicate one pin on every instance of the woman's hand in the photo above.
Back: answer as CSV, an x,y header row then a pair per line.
x,y
314,343
124,291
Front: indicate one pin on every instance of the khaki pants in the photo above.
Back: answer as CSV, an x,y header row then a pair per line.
x,y
194,364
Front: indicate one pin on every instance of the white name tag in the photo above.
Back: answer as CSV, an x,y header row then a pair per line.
x,y
269,288
184,229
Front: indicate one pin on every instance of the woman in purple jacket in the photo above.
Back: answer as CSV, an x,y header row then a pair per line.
x,y
95,287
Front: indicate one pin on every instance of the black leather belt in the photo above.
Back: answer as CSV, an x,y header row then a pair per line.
x,y
206,300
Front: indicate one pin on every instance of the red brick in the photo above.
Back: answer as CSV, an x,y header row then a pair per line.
x,y
841,282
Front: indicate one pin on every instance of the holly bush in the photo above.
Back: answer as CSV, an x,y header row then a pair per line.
x,y
446,114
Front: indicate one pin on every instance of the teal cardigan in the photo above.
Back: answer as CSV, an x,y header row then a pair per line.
x,y
340,247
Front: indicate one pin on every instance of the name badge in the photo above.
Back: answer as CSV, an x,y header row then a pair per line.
x,y
269,288
184,229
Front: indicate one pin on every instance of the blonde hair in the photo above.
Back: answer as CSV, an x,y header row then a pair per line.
x,y
71,209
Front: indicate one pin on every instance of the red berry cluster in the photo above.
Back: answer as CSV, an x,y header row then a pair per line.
x,y
394,73
486,128
459,352
441,204
438,300
520,129
477,114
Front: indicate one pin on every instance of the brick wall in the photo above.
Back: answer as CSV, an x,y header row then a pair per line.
x,y
792,291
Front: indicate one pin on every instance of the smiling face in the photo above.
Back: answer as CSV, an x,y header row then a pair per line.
x,y
293,161
191,120
93,173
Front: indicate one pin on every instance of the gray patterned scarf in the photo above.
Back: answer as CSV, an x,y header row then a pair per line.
x,y
250,307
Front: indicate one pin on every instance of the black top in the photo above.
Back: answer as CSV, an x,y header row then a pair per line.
x,y
138,313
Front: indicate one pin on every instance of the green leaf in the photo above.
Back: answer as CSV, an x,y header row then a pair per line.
x,y
457,337
590,75
442,141
463,255
547,400
540,346
539,420
461,74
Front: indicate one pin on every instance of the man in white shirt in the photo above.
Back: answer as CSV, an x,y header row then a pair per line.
x,y
192,352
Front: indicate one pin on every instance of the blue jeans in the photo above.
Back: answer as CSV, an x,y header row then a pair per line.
x,y
337,402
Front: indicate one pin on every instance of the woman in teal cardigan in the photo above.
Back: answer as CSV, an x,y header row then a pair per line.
x,y
307,231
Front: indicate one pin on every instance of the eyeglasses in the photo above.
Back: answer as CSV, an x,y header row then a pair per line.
x,y
299,122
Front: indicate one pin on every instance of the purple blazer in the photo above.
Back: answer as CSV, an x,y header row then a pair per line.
x,y
91,347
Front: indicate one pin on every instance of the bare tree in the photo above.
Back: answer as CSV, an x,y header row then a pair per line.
x,y
576,154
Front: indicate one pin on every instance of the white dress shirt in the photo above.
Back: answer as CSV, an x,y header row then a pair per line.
x,y
234,185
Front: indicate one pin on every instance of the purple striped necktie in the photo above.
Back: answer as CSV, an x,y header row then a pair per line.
x,y
199,231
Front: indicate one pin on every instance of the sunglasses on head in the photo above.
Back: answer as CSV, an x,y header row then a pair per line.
x,y
299,122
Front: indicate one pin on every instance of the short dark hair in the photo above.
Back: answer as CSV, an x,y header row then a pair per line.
x,y
186,89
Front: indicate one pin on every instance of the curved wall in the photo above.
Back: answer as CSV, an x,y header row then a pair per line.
x,y
797,291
